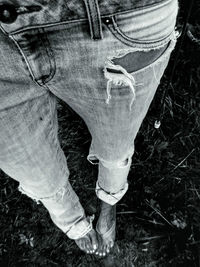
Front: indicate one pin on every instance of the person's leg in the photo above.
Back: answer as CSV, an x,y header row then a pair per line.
x,y
30,149
113,87
113,127
31,154
112,104
107,216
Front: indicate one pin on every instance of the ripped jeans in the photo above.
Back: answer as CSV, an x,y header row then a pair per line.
x,y
107,69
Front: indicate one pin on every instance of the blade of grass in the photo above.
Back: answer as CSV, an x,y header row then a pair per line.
x,y
158,212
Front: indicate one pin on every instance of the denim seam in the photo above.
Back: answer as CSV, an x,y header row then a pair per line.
x,y
51,56
89,18
28,65
98,20
135,43
143,8
54,139
93,18
25,59
107,192
116,30
26,28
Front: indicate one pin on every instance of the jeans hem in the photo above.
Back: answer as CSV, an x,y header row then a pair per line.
x,y
81,228
110,198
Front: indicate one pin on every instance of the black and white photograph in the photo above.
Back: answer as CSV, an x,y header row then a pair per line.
x,y
99,133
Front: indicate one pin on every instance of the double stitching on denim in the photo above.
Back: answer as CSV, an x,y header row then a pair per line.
x,y
24,57
114,26
50,55
135,43
54,138
94,19
121,34
111,9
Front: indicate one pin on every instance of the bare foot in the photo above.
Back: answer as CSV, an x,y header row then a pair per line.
x,y
88,243
106,228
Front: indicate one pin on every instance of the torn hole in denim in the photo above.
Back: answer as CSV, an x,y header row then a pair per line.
x,y
93,159
124,163
117,164
119,73
24,192
118,76
58,196
134,61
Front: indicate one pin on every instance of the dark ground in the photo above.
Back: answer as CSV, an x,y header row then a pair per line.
x,y
159,218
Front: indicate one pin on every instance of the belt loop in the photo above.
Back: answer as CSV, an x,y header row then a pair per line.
x,y
94,18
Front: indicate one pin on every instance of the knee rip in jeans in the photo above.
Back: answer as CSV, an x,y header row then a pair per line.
x,y
58,196
119,75
92,158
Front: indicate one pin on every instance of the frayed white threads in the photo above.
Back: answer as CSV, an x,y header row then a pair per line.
x,y
61,193
37,200
155,75
58,197
119,79
108,90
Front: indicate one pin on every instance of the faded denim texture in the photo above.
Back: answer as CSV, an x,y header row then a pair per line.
x,y
72,50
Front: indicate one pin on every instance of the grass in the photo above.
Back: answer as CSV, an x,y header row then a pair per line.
x,y
159,218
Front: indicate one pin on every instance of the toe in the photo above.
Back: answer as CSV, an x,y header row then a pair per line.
x,y
107,249
99,251
111,245
94,241
80,244
88,246
102,252
84,246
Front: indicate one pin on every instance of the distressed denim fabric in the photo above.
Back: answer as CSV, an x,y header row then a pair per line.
x,y
92,67
57,11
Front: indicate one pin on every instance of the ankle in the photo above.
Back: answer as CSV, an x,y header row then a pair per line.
x,y
106,207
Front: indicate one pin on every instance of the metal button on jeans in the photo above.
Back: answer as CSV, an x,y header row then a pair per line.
x,y
8,13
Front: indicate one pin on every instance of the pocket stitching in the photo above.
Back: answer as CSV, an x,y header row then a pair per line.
x,y
122,34
117,33
51,59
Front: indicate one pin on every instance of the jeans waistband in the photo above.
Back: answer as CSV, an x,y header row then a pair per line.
x,y
62,11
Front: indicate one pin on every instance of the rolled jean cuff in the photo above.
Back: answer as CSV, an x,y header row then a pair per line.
x,y
110,198
81,228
